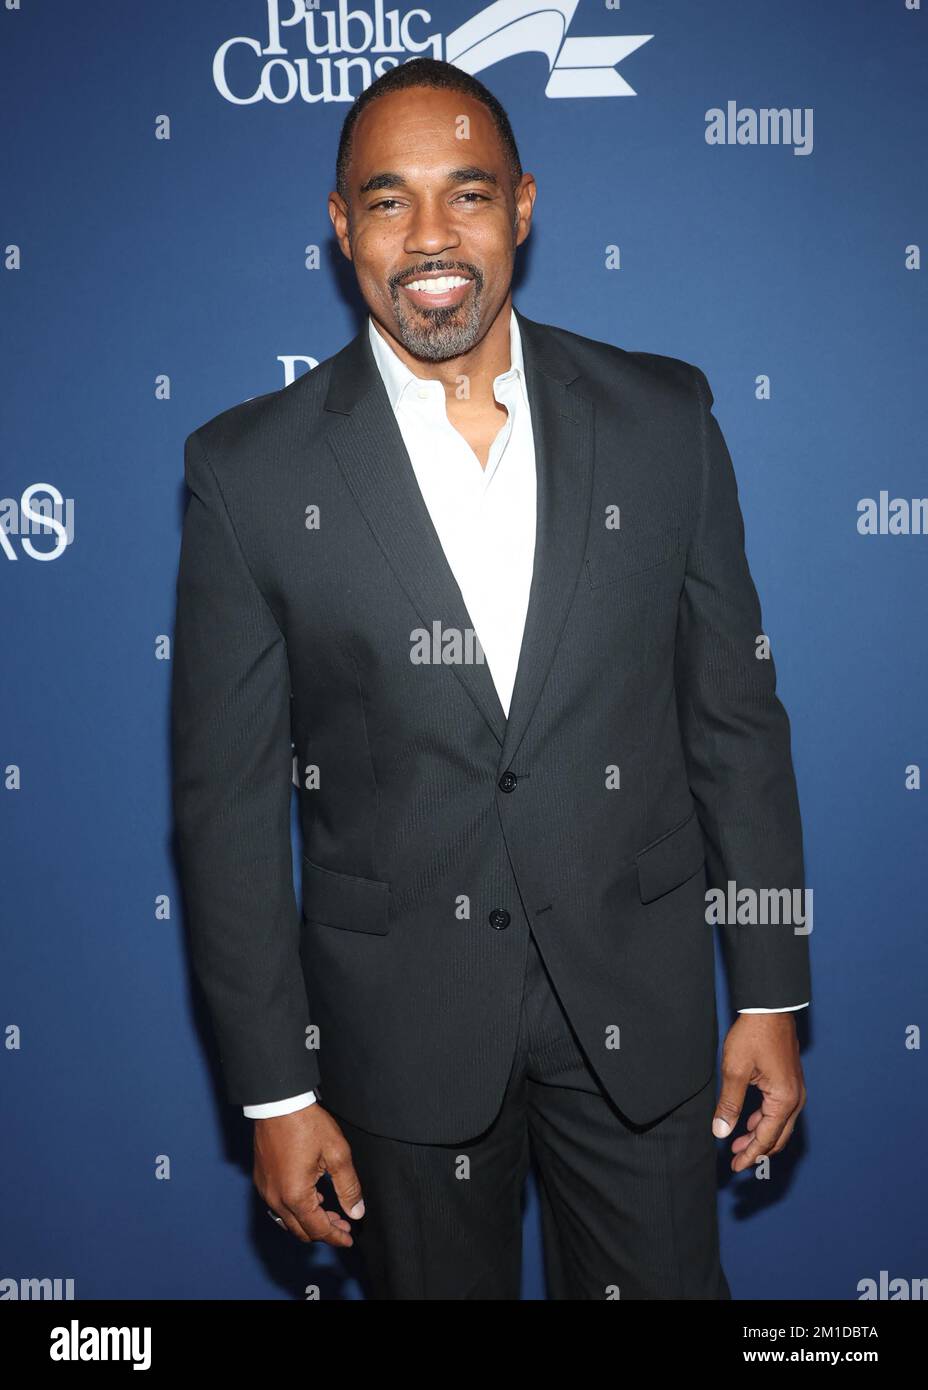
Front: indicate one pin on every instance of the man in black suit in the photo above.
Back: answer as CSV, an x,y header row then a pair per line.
x,y
478,584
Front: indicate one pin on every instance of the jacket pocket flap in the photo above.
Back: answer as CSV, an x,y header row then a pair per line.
x,y
670,860
345,900
620,554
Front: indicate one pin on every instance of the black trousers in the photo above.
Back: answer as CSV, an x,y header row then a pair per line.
x,y
627,1212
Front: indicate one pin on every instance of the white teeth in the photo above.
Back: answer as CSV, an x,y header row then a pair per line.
x,y
441,285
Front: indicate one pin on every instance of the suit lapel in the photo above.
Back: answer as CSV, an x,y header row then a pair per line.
x,y
562,425
370,451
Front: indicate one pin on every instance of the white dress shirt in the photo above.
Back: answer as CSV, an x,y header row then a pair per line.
x,y
484,517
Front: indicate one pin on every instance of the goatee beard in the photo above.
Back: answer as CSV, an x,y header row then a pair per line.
x,y
437,334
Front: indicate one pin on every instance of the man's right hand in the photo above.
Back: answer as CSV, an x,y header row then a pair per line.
x,y
291,1154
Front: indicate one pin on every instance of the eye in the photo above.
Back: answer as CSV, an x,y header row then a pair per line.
x,y
394,202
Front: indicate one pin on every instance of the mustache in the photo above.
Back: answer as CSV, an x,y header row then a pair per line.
x,y
438,267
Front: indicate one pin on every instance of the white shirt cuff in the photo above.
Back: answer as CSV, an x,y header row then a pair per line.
x,y
280,1107
786,1009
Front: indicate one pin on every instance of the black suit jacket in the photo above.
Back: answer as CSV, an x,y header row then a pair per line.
x,y
435,831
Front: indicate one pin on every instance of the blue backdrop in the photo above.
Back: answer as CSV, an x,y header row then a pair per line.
x,y
162,207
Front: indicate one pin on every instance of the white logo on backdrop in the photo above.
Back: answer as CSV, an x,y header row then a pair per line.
x,y
349,48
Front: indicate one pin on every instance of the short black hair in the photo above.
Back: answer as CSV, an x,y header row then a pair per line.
x,y
425,72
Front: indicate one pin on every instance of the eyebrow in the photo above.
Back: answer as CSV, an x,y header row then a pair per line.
x,y
470,173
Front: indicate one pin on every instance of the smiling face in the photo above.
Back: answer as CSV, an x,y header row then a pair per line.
x,y
432,222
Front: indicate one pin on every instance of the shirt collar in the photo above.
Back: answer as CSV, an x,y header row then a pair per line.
x,y
397,377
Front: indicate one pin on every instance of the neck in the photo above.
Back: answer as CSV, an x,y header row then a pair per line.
x,y
486,360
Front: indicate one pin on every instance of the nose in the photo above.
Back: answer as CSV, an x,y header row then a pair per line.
x,y
430,230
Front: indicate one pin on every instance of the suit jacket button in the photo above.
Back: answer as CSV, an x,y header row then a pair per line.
x,y
499,918
507,783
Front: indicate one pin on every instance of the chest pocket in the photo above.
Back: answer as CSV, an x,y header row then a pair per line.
x,y
616,555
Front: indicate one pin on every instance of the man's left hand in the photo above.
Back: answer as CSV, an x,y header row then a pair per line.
x,y
760,1050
